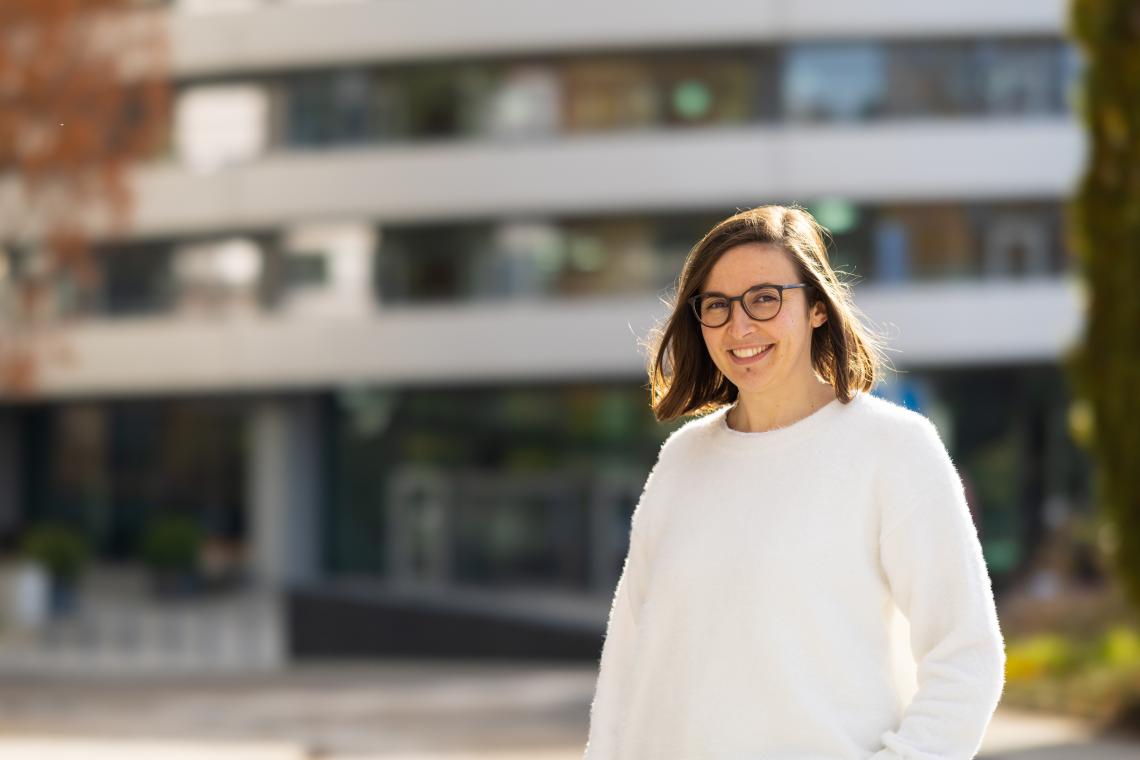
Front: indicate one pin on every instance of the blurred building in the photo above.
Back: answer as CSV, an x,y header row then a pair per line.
x,y
377,327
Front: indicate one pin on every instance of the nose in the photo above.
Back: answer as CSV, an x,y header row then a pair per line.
x,y
739,323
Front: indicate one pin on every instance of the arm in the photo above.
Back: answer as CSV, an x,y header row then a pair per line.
x,y
615,669
932,560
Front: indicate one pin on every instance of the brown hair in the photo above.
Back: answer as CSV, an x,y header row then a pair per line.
x,y
682,376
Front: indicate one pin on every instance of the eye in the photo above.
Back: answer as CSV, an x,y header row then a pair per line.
x,y
715,303
763,296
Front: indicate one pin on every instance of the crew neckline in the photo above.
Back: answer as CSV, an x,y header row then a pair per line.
x,y
737,440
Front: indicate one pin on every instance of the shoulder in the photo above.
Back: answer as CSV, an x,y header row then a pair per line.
x,y
908,446
687,441
897,427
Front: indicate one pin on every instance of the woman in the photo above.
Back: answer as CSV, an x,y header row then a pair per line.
x,y
778,532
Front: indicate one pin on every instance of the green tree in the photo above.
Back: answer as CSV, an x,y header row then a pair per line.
x,y
1104,224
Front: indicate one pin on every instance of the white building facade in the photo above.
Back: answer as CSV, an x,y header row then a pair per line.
x,y
377,321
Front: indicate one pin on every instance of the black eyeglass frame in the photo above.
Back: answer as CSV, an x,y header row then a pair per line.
x,y
779,288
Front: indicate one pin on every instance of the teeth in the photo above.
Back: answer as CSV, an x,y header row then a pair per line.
x,y
748,352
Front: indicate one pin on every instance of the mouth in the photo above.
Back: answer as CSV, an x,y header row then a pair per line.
x,y
750,355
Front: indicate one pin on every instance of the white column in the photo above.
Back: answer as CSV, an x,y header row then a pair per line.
x,y
284,490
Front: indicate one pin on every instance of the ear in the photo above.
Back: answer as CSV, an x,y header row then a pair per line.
x,y
818,314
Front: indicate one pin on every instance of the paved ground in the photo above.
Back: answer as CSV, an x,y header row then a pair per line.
x,y
399,711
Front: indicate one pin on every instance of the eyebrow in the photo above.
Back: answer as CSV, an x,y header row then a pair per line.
x,y
750,287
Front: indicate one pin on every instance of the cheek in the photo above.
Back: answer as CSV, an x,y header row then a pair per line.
x,y
710,341
786,326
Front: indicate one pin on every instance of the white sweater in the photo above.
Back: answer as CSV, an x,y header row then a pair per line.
x,y
753,616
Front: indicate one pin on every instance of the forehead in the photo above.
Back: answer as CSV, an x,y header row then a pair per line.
x,y
745,265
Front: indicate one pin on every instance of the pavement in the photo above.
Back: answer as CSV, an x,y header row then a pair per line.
x,y
399,710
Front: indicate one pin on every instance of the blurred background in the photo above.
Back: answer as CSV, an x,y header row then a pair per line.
x,y
325,405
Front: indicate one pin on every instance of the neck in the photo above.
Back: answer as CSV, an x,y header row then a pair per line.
x,y
760,412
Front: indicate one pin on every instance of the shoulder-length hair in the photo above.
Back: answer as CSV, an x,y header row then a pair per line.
x,y
684,380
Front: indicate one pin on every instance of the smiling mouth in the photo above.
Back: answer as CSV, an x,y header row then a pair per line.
x,y
751,353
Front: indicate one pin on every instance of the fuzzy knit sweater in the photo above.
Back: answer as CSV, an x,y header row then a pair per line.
x,y
758,613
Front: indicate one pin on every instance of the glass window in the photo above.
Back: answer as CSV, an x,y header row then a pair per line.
x,y
524,101
706,89
445,100
1016,460
608,256
78,484
1071,73
849,246
327,108
929,79
1020,242
390,108
432,263
137,279
528,256
834,82
644,255
495,487
1019,77
924,242
519,258
217,276
675,236
305,271
111,468
612,93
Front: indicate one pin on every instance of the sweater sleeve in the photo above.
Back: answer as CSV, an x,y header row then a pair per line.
x,y
615,669
932,560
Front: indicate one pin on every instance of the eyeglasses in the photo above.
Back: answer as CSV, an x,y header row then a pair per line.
x,y
761,302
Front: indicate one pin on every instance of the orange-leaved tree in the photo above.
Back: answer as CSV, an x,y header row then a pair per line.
x,y
83,98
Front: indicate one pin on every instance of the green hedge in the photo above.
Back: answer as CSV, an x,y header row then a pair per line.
x,y
1097,678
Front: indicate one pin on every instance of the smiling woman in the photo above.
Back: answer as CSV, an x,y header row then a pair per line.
x,y
775,260
779,533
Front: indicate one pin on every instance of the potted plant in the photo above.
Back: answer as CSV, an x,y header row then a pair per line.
x,y
62,553
171,546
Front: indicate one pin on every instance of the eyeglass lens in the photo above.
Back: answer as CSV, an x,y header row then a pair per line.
x,y
760,303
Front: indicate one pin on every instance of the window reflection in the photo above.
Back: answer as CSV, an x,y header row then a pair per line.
x,y
445,101
341,107
605,94
1019,77
843,82
496,487
967,241
349,268
217,277
582,257
223,275
1071,67
609,256
925,79
137,279
1021,242
112,467
924,243
708,89
523,101
531,98
512,259
436,263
